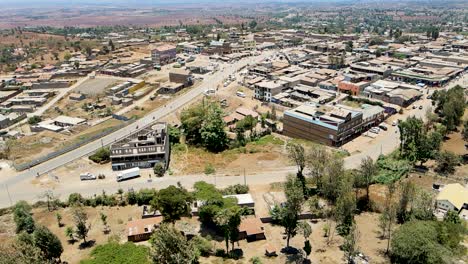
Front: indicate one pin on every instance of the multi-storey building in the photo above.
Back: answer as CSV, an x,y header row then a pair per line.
x,y
142,149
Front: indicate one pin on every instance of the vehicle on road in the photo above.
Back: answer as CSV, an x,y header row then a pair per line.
x,y
415,106
420,107
128,174
87,176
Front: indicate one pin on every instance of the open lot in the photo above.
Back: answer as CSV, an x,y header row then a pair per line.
x,y
97,85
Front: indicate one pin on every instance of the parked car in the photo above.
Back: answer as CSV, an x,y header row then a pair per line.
x,y
420,107
374,130
415,106
240,94
383,127
87,176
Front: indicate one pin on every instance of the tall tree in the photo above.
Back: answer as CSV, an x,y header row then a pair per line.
x,y
47,242
297,154
289,214
388,216
23,217
345,205
228,220
368,170
350,244
318,162
170,246
80,217
407,193
173,202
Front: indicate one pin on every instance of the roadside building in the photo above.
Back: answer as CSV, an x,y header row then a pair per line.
x,y
178,80
163,54
332,125
142,229
142,149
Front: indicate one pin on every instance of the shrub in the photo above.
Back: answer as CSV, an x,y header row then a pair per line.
x,y
34,120
447,161
209,169
102,155
236,189
159,169
202,246
75,199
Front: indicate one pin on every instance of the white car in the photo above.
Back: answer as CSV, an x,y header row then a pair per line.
x,y
240,94
374,130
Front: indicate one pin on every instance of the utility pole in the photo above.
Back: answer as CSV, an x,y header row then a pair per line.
x,y
245,180
9,197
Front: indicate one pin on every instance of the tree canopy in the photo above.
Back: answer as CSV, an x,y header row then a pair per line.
x,y
171,247
173,202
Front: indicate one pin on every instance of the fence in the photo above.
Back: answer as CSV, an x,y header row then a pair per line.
x,y
26,165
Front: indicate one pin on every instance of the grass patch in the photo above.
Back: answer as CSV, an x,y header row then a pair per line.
x,y
268,139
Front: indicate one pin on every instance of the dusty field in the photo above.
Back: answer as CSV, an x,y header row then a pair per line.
x,y
96,86
46,141
255,157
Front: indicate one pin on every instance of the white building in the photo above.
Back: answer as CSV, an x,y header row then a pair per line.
x,y
452,197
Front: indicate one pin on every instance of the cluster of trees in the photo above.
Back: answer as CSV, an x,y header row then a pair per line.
x,y
450,106
417,142
203,125
34,243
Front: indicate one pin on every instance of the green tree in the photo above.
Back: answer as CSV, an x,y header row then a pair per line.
x,y
350,244
23,217
452,217
407,194
447,161
19,252
33,120
367,171
70,233
111,45
171,247
297,154
345,206
159,169
253,24
417,242
80,217
213,136
173,202
465,130
59,219
47,242
228,220
289,214
67,56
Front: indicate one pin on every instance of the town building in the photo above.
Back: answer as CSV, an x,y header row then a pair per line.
x,y
163,54
142,229
452,197
143,149
332,125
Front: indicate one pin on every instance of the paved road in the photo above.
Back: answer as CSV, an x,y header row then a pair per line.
x,y
210,82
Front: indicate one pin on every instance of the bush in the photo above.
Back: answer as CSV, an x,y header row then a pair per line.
x,y
75,199
255,260
446,162
102,155
202,246
159,169
33,120
236,189
119,253
209,169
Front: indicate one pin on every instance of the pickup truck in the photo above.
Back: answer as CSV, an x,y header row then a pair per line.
x,y
87,176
